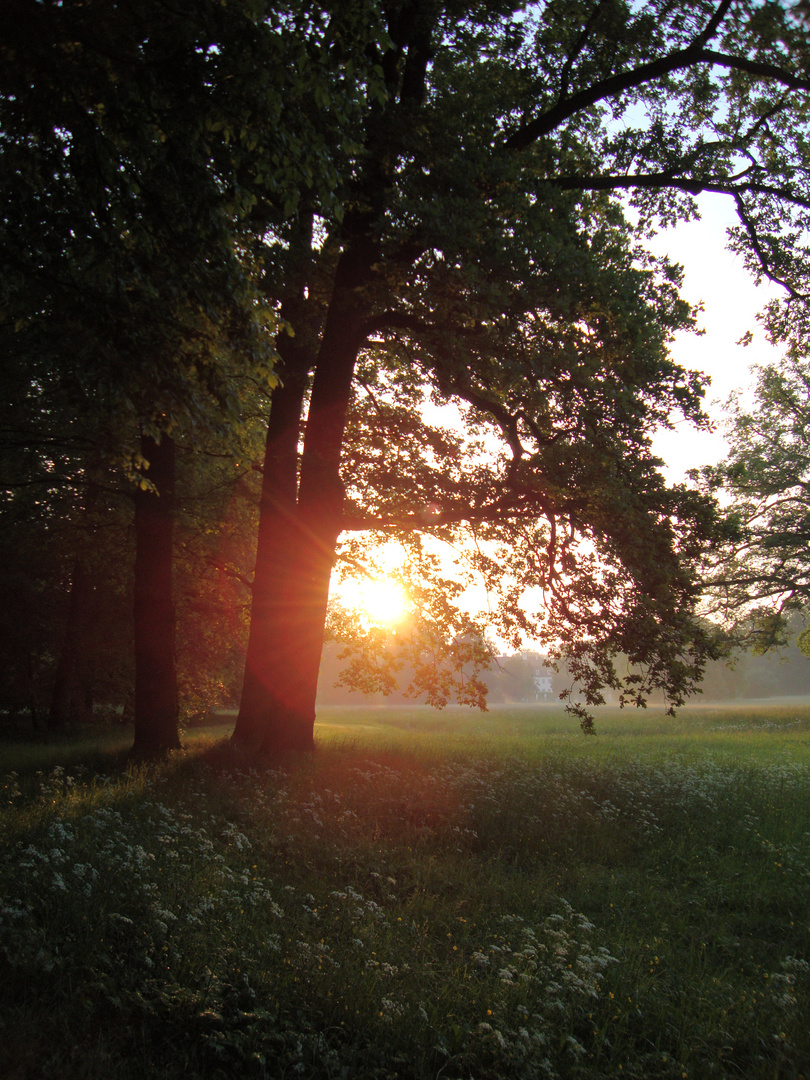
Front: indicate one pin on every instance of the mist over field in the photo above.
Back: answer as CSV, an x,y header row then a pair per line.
x,y
526,678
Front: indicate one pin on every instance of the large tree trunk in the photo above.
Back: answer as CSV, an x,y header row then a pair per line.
x,y
301,511
268,717
156,701
300,521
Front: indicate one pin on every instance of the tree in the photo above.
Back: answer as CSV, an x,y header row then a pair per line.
x,y
218,488
124,288
489,255
760,580
66,553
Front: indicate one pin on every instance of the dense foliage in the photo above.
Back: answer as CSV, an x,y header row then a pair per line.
x,y
760,583
429,220
489,258
130,324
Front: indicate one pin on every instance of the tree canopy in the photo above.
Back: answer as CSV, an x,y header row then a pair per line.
x,y
442,208
125,292
490,256
760,581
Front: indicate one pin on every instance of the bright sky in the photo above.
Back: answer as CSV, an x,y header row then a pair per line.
x,y
731,302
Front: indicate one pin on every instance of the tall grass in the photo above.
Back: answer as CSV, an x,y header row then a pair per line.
x,y
431,895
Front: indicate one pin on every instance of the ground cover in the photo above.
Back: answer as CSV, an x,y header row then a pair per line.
x,y
433,894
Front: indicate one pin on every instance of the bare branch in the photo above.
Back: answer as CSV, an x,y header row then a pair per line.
x,y
690,185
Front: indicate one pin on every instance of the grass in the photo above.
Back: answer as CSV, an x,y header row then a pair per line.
x,y
434,894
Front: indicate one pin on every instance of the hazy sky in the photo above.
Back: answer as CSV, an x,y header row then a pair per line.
x,y
731,302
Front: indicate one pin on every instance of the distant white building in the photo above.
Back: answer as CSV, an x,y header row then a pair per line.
x,y
540,677
542,683
523,677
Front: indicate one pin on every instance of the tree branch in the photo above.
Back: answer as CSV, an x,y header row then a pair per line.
x,y
508,508
691,186
570,60
401,320
395,320
617,84
762,258
713,25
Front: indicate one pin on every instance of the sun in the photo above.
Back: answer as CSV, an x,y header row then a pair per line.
x,y
382,601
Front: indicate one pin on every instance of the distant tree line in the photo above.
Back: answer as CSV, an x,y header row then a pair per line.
x,y
777,672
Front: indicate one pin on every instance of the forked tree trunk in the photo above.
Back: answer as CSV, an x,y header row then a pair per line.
x,y
156,700
301,513
299,527
273,714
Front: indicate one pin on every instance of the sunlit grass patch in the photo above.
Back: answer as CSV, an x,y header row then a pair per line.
x,y
441,904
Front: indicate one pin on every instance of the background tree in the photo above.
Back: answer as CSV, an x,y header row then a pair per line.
x,y
67,549
760,581
69,650
214,553
124,288
489,255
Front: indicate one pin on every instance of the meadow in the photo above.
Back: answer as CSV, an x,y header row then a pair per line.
x,y
430,895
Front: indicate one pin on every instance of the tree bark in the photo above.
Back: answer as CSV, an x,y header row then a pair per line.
x,y
301,511
268,718
156,699
33,703
299,525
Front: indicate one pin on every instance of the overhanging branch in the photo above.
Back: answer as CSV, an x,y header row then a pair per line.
x,y
617,84
690,185
403,320
512,507
759,251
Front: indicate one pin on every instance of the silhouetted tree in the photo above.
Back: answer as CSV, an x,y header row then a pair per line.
x,y
484,249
